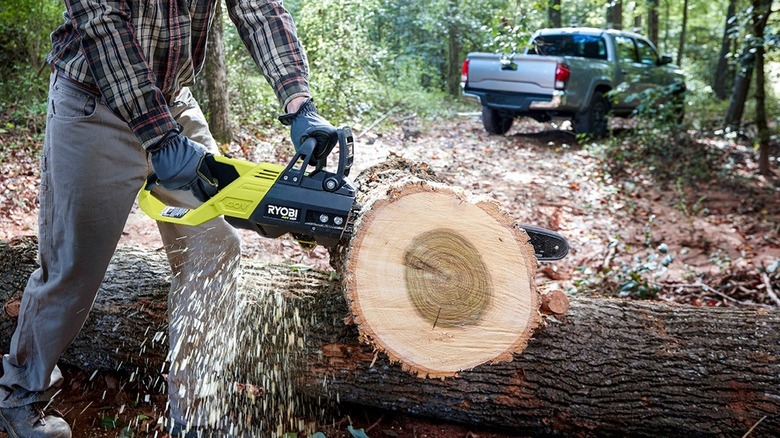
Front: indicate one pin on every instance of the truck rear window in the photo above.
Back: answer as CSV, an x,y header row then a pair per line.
x,y
585,46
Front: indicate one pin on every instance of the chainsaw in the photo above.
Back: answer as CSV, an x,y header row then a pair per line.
x,y
316,208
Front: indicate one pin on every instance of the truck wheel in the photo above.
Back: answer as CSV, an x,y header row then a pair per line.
x,y
593,120
495,122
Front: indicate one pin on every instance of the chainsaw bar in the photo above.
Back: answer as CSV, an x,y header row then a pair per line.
x,y
548,245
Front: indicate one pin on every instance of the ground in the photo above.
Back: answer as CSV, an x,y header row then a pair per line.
x,y
719,238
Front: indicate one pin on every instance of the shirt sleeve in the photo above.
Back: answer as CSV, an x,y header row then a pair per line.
x,y
268,32
119,67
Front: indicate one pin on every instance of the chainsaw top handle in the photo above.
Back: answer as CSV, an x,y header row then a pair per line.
x,y
296,169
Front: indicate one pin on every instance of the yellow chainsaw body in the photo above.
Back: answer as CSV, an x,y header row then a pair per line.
x,y
239,199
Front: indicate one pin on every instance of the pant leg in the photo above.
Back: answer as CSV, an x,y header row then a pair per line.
x,y
202,304
91,169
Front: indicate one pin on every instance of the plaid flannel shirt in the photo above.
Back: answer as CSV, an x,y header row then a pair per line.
x,y
138,52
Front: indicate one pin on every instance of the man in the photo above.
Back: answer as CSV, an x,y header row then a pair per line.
x,y
118,109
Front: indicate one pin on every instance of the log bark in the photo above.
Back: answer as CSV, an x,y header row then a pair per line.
x,y
608,368
128,329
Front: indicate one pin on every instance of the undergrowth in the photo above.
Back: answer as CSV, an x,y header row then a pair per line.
x,y
638,278
659,145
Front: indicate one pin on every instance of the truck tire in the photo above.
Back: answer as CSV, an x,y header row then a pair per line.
x,y
593,121
495,122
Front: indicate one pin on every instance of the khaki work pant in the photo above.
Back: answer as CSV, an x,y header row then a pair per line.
x,y
91,170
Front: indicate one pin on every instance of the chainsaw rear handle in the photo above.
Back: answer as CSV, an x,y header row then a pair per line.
x,y
225,170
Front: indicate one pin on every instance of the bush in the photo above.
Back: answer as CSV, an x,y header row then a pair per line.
x,y
659,143
25,26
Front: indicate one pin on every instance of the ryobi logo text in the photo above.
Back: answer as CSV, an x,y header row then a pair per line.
x,y
281,212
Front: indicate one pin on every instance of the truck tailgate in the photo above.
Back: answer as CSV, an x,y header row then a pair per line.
x,y
531,74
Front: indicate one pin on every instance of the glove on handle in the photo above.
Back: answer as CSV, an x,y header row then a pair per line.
x,y
180,164
306,123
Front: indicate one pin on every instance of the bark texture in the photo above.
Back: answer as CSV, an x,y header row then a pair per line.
x,y
683,30
215,74
652,21
609,368
761,11
128,323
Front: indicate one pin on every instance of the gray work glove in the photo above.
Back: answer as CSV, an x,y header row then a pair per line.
x,y
306,123
180,164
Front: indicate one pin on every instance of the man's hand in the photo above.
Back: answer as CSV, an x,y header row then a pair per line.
x,y
180,165
304,123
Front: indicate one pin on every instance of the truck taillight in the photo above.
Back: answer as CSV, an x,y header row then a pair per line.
x,y
562,73
464,71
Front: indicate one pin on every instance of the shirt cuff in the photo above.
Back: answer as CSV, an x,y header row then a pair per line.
x,y
290,87
153,125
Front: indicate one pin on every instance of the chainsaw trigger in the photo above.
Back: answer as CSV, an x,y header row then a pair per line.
x,y
151,181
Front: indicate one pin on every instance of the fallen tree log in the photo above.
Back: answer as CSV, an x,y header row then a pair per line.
x,y
608,368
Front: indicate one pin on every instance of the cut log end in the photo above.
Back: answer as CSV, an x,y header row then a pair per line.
x,y
441,282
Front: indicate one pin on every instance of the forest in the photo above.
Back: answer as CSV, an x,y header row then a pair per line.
x,y
663,214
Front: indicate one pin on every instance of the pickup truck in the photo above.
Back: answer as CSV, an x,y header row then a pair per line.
x,y
581,74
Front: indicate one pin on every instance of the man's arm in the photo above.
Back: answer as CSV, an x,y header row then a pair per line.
x,y
268,32
119,67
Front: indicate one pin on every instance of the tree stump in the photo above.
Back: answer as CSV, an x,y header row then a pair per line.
x,y
437,279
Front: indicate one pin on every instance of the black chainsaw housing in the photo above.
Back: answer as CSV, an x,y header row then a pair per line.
x,y
305,210
315,207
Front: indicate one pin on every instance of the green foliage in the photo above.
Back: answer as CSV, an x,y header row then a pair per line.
x,y
658,143
110,422
25,26
343,60
370,57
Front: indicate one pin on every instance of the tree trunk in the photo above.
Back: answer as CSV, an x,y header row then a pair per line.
x,y
636,11
740,90
608,368
683,30
454,46
215,75
554,13
722,71
761,11
615,14
652,21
